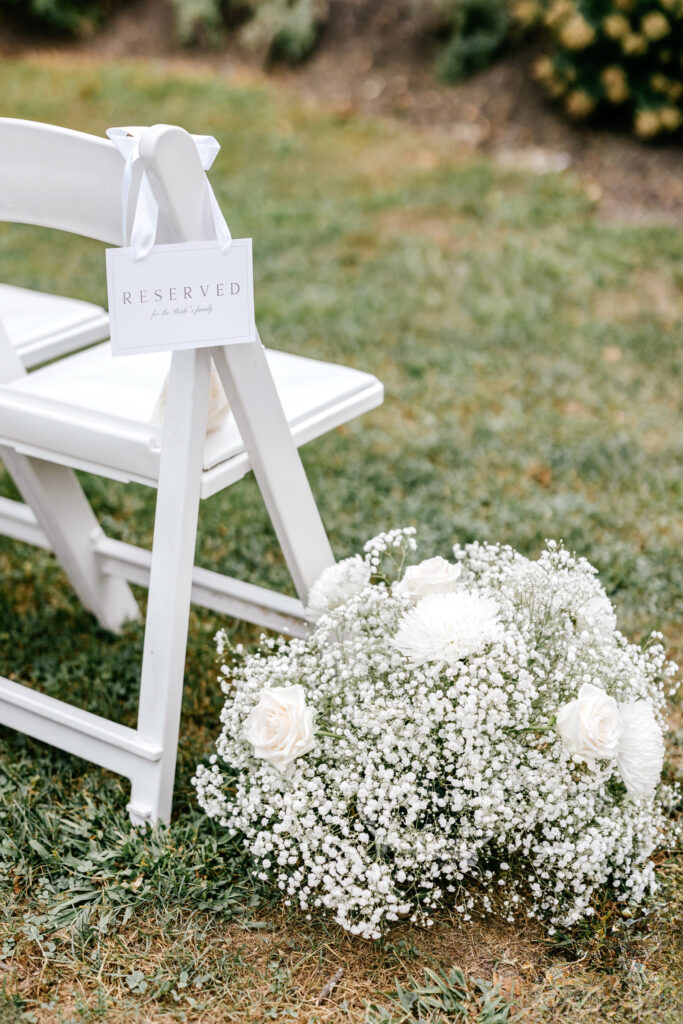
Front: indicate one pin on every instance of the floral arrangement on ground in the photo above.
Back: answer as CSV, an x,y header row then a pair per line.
x,y
476,731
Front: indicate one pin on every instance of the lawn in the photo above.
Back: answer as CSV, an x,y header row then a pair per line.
x,y
531,356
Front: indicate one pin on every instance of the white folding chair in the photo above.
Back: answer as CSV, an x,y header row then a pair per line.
x,y
41,326
90,411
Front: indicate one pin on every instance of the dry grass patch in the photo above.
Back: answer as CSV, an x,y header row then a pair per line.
x,y
280,966
652,292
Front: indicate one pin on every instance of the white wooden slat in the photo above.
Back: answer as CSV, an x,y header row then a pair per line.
x,y
60,343
61,508
307,429
18,520
275,460
58,178
11,366
42,326
224,594
78,437
170,584
79,732
177,179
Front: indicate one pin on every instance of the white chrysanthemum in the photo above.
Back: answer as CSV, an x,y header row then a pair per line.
x,y
445,628
337,584
433,576
641,749
597,616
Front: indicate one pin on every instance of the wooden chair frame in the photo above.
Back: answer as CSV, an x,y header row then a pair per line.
x,y
67,180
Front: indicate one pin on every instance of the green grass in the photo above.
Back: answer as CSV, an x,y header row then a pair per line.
x,y
532,361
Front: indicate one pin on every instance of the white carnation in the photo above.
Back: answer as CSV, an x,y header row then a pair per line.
x,y
446,628
433,576
590,726
337,584
280,727
641,749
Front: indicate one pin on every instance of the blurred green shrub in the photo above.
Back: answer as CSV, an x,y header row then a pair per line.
x,y
70,17
475,31
612,57
280,29
199,21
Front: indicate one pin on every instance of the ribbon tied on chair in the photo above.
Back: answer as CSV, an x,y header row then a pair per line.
x,y
143,236
144,230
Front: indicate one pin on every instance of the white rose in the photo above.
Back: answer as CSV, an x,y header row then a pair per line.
x,y
280,727
337,584
433,576
590,726
641,749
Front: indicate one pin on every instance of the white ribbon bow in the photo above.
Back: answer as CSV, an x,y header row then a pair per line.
x,y
144,230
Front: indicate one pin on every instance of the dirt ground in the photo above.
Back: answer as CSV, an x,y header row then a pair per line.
x,y
377,56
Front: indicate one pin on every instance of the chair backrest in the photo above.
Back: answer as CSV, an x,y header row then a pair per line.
x,y
58,178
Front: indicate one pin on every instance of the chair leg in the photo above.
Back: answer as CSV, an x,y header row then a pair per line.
x,y
170,586
63,512
148,803
275,461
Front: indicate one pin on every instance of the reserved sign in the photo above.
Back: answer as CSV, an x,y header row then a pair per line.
x,y
186,295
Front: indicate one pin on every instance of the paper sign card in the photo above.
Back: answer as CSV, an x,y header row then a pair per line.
x,y
187,295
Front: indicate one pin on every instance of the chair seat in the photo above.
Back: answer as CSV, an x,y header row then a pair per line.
x,y
42,326
94,410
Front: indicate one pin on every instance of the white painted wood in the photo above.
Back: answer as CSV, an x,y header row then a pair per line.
x,y
224,594
57,178
79,732
69,523
52,491
18,521
310,426
170,584
42,326
275,460
67,180
94,411
177,179
211,589
11,366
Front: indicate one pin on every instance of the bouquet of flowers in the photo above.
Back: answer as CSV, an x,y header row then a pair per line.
x,y
474,730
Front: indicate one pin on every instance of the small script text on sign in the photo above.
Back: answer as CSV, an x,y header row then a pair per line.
x,y
187,295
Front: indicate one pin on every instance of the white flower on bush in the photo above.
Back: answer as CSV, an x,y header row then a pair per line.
x,y
337,584
596,615
590,726
641,749
433,576
446,628
280,727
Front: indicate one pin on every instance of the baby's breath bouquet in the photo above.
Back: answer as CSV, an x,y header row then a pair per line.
x,y
474,731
